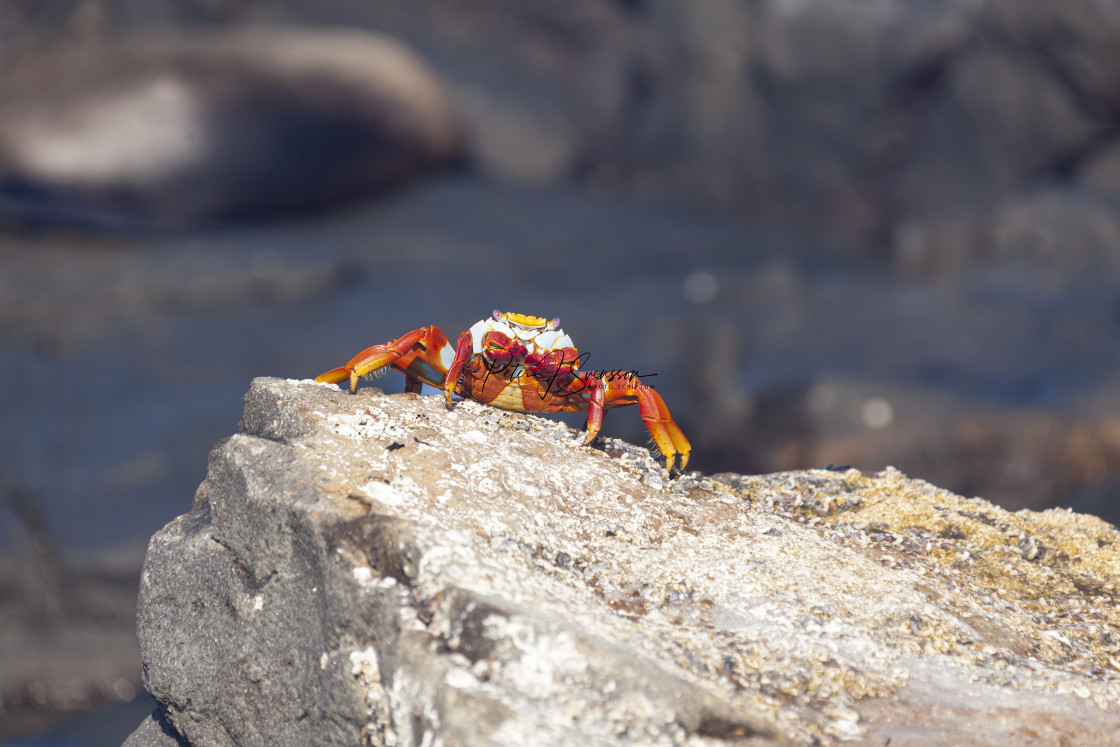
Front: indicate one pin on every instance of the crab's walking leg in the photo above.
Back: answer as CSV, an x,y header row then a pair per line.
x,y
422,355
595,409
666,434
463,352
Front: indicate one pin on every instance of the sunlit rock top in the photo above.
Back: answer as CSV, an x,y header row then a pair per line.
x,y
377,569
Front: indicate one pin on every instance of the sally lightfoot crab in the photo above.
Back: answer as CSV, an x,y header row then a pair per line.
x,y
522,363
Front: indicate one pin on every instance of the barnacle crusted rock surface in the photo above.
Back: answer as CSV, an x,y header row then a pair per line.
x,y
375,569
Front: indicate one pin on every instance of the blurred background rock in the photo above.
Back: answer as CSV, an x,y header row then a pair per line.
x,y
839,231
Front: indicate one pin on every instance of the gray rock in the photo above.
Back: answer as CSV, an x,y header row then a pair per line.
x,y
372,569
184,127
154,731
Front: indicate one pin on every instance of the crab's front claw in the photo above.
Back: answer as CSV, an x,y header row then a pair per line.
x,y
421,355
334,376
665,432
371,359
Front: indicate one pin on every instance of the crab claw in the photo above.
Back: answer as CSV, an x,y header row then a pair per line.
x,y
334,376
422,355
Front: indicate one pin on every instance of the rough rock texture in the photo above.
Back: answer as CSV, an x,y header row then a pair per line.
x,y
155,731
187,127
375,569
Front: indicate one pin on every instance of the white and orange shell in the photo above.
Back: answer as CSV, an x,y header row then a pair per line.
x,y
538,335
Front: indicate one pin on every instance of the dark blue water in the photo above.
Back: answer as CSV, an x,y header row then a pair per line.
x,y
110,406
101,727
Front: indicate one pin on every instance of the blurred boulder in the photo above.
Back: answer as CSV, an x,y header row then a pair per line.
x,y
1069,232
67,637
1076,40
856,121
204,126
852,120
1101,171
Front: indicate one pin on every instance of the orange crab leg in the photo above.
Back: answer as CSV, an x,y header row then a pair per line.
x,y
604,395
595,408
666,434
463,352
421,356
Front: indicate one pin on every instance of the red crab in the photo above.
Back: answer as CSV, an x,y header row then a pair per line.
x,y
522,363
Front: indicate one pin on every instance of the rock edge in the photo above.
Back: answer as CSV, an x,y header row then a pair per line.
x,y
374,569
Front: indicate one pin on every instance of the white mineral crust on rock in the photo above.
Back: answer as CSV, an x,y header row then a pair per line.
x,y
513,587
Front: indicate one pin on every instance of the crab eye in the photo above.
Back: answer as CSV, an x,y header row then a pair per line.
x,y
497,315
554,324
